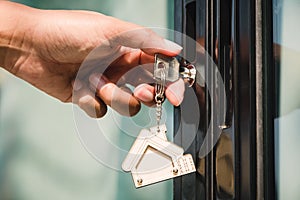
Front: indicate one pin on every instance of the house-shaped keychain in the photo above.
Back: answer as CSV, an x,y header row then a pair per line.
x,y
152,158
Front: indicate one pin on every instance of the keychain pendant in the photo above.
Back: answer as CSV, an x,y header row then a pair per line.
x,y
152,158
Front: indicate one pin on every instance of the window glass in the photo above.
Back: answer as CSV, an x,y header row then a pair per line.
x,y
286,18
41,156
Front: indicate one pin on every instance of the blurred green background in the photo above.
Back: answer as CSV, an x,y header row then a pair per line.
x,y
41,156
286,17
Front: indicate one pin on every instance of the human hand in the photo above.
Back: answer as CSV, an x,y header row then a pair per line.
x,y
49,47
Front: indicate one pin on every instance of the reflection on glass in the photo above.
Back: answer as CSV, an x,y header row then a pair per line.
x,y
286,17
224,167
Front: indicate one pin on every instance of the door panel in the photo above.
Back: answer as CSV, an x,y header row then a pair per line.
x,y
237,36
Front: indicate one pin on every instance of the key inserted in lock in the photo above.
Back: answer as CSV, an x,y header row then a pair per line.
x,y
173,69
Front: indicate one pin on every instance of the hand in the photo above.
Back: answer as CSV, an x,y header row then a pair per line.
x,y
48,48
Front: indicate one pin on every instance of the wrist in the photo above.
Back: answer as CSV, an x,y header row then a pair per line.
x,y
15,32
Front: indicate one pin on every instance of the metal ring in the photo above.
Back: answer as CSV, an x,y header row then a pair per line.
x,y
160,87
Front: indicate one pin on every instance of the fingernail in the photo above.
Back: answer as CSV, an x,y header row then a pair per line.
x,y
97,81
77,85
172,46
178,98
143,94
175,92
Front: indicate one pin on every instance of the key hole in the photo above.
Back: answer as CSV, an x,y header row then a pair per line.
x,y
161,65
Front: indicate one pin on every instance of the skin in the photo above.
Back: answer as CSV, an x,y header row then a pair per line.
x,y
47,48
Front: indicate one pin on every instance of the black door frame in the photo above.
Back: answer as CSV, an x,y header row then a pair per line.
x,y
244,30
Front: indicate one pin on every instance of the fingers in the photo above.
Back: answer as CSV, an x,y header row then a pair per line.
x,y
134,36
129,64
174,93
145,94
86,100
120,100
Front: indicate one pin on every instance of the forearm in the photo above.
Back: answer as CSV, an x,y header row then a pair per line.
x,y
15,32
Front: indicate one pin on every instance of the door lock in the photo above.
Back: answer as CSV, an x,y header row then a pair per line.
x,y
173,69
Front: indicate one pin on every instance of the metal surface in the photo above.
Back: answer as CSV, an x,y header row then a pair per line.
x,y
172,68
237,34
244,99
188,73
210,42
225,186
270,98
224,55
169,65
161,72
259,101
224,157
191,186
152,158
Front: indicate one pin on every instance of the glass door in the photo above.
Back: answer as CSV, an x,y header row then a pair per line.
x,y
238,37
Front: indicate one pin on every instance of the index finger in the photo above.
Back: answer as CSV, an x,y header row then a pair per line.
x,y
138,37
